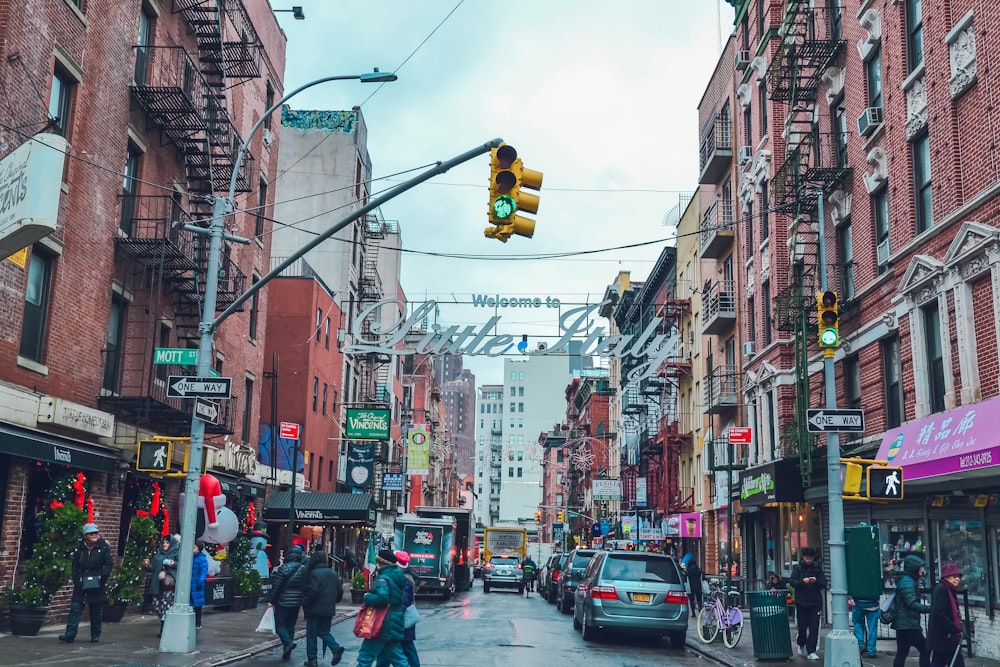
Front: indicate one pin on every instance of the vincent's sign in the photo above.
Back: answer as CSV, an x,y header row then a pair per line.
x,y
389,338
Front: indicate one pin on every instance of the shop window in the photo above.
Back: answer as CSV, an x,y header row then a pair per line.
x,y
964,542
899,540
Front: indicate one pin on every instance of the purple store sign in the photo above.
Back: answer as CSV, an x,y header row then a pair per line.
x,y
962,439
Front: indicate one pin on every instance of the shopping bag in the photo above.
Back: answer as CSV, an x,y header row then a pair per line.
x,y
368,622
411,616
266,621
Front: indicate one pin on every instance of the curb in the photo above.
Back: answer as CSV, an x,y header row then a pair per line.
x,y
257,649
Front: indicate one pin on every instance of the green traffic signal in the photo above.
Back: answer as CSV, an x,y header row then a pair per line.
x,y
504,207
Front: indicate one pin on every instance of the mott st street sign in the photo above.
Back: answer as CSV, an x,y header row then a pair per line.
x,y
175,355
827,420
179,386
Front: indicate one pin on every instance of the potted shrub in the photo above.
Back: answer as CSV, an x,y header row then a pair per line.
x,y
246,586
358,588
125,585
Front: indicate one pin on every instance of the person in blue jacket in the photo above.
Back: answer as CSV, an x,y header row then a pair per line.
x,y
199,573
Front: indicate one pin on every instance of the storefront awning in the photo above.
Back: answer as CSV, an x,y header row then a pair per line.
x,y
41,446
775,482
312,507
964,440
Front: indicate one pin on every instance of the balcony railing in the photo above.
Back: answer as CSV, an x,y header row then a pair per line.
x,y
719,303
722,455
717,230
721,389
716,153
154,234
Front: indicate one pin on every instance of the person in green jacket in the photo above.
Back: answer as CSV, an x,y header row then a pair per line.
x,y
386,591
909,606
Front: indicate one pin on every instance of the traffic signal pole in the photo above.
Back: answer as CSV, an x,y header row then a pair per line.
x,y
178,634
841,647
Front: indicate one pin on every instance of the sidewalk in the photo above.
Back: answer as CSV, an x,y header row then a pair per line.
x,y
225,637
743,654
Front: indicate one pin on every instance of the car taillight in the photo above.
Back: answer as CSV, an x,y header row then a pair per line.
x,y
488,566
677,598
555,576
519,566
604,593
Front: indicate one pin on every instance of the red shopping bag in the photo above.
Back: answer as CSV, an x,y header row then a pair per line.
x,y
368,622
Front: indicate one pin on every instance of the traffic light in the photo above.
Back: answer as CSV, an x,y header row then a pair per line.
x,y
538,515
852,479
507,178
828,320
885,483
562,517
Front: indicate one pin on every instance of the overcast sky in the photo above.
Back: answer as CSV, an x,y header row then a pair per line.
x,y
600,96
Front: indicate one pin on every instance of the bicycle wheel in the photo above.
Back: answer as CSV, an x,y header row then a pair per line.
x,y
708,625
733,628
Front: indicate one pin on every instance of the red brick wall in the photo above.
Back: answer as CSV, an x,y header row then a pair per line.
x,y
984,332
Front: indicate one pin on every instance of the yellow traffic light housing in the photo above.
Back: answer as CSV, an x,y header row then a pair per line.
x,y
562,517
538,515
508,176
828,321
853,472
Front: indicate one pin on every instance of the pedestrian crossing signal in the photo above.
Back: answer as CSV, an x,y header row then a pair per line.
x,y
153,456
885,483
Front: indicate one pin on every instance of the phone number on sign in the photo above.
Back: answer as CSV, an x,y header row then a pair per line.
x,y
975,460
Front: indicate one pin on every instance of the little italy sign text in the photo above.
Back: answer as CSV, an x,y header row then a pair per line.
x,y
389,338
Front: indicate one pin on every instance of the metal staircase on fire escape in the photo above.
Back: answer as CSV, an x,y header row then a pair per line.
x,y
162,266
815,162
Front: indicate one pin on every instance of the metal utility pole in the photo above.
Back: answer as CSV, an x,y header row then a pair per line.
x,y
841,646
178,634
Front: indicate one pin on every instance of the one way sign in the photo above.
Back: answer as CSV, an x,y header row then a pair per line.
x,y
179,386
831,419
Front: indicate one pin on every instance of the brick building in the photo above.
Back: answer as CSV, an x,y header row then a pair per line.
x,y
867,127
152,100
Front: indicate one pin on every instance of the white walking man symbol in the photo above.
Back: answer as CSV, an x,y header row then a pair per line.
x,y
160,457
892,484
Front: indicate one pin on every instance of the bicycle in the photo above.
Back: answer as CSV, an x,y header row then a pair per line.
x,y
721,615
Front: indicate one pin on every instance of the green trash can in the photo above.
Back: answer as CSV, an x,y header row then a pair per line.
x,y
772,639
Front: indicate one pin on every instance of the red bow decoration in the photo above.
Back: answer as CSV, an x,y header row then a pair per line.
x,y
143,513
55,504
90,510
251,511
78,490
166,523
154,506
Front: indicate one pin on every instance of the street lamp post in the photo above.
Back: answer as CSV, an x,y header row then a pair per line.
x,y
178,634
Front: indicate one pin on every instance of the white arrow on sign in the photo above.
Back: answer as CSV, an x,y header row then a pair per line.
x,y
207,411
835,420
179,386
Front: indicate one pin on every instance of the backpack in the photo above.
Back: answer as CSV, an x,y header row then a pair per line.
x,y
887,610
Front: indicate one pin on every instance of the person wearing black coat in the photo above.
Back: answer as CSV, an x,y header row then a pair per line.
x,y
808,581
319,602
694,579
92,564
944,627
909,607
288,583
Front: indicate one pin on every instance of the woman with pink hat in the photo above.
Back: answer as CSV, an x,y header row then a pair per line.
x,y
944,627
409,630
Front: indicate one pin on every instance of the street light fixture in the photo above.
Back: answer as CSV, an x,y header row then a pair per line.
x,y
178,634
296,11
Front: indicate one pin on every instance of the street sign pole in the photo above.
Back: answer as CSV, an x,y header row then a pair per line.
x,y
841,646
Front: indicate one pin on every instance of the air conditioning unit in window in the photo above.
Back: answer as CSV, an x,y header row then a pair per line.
x,y
742,60
870,121
267,137
749,349
882,252
745,155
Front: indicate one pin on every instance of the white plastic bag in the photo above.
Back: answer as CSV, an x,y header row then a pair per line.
x,y
411,616
266,621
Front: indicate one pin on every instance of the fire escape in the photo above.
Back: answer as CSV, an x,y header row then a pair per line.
x,y
672,437
815,162
162,266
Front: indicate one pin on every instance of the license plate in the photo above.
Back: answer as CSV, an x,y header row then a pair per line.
x,y
640,597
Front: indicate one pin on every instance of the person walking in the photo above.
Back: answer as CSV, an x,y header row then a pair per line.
x,y
944,626
864,617
91,568
528,569
694,578
199,574
163,576
808,581
909,606
387,591
288,583
319,603
408,644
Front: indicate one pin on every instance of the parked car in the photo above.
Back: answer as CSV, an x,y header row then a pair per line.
x,y
635,591
503,572
569,577
550,575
